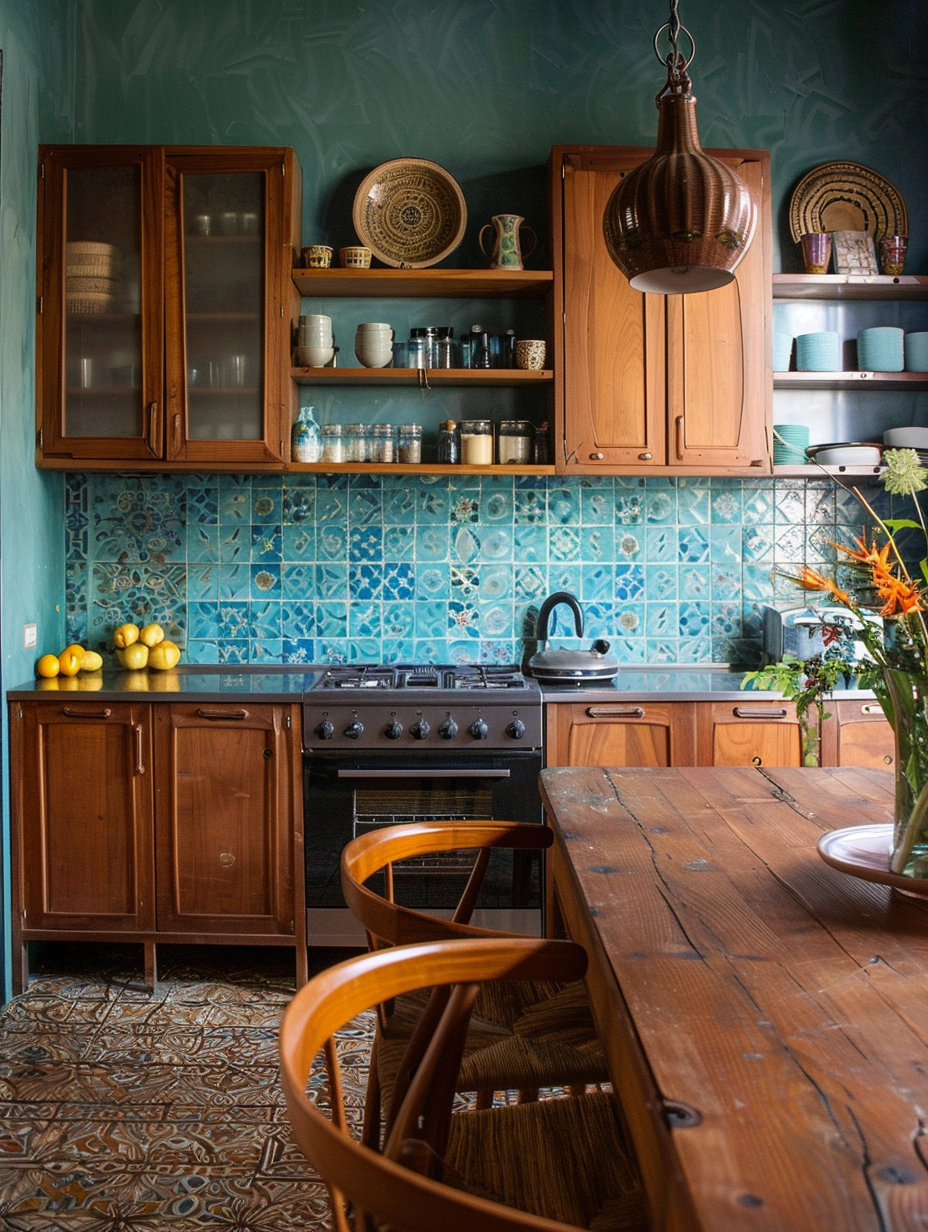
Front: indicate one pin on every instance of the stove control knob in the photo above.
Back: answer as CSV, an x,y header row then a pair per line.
x,y
479,730
354,730
393,730
448,729
325,730
420,729
516,729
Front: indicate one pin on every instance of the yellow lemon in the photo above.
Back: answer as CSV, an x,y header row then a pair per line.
x,y
125,635
151,635
76,649
163,657
91,662
47,666
134,656
69,661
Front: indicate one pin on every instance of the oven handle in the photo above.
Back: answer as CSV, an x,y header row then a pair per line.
x,y
423,772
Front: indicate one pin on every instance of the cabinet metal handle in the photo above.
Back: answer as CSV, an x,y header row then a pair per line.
x,y
615,712
152,436
645,457
222,714
596,457
86,714
871,708
678,435
139,750
175,434
776,712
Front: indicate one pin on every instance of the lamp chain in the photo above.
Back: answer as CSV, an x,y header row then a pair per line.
x,y
675,62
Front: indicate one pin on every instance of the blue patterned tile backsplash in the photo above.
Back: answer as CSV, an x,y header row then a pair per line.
x,y
331,568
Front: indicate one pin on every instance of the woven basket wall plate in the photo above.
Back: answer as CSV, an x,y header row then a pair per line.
x,y
847,197
410,213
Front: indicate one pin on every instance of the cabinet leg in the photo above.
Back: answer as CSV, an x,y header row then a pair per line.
x,y
151,965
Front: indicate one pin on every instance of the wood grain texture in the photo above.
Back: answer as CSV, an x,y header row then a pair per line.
x,y
783,1001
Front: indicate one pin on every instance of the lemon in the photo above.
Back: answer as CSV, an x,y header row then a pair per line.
x,y
47,666
164,656
134,656
151,635
125,635
70,659
91,662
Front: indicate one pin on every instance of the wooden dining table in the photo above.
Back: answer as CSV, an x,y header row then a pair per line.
x,y
764,1014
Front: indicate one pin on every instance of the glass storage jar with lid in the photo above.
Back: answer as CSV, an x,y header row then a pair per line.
x,y
409,443
333,444
356,443
476,442
515,441
381,446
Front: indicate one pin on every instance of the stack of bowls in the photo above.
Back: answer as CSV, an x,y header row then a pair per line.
x,y
789,444
880,349
315,344
373,344
818,352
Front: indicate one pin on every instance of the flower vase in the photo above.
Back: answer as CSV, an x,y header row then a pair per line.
x,y
904,698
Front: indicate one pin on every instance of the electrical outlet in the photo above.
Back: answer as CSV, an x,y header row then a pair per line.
x,y
30,637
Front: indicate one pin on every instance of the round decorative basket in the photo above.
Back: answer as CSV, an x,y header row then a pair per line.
x,y
88,303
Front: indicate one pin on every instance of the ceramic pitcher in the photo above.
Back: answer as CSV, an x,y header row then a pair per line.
x,y
506,252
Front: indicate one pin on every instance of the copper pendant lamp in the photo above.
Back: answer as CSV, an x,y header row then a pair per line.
x,y
683,220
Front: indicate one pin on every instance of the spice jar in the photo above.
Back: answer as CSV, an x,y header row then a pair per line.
x,y
333,446
356,443
476,442
381,447
448,448
515,441
409,443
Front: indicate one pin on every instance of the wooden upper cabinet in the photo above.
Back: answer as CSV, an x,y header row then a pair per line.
x,y
165,301
678,383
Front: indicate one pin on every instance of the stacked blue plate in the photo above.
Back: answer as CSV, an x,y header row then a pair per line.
x,y
880,349
916,352
789,444
818,352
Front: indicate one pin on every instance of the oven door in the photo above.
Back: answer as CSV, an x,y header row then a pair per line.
x,y
348,794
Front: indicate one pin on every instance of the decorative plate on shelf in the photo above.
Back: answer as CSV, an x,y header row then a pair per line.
x,y
863,851
847,197
410,213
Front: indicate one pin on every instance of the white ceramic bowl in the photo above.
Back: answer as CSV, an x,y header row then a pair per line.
x,y
374,356
310,335
315,318
906,438
313,356
375,327
845,455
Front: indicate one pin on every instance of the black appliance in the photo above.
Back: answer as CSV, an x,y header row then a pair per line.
x,y
391,744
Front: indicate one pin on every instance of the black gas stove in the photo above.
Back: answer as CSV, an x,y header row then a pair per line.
x,y
421,706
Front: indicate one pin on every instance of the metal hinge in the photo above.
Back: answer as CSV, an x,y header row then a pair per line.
x,y
40,437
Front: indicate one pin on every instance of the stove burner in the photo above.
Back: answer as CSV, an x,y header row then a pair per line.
x,y
421,676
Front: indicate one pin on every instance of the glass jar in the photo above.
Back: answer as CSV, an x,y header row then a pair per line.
x,y
356,443
381,448
476,442
409,443
418,353
333,444
448,448
515,441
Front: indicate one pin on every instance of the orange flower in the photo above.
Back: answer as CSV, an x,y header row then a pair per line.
x,y
811,579
899,594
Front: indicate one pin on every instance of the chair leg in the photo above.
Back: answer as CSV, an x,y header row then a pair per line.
x,y
371,1130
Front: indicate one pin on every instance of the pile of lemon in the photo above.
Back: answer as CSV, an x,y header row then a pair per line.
x,y
146,647
69,662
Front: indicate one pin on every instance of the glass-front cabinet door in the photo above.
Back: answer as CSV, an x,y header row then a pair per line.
x,y
226,332
100,336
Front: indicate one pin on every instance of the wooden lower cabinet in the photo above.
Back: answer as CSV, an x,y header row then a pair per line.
x,y
620,734
747,734
151,823
858,734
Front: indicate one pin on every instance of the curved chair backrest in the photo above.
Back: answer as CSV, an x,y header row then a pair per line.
x,y
387,921
379,1188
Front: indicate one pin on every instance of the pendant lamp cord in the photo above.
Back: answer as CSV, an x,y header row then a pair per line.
x,y
677,80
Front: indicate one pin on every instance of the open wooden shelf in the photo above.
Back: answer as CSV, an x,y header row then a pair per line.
x,y
429,376
424,284
850,380
420,468
850,286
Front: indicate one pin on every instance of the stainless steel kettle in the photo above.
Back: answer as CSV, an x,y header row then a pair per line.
x,y
577,667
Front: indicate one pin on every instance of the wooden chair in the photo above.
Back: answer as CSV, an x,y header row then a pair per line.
x,y
524,1036
551,1166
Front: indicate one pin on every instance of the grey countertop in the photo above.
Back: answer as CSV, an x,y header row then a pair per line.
x,y
205,683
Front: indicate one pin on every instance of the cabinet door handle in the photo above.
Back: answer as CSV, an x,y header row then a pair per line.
x,y
775,712
152,435
221,714
615,712
871,708
596,457
86,714
175,434
139,751
645,457
678,435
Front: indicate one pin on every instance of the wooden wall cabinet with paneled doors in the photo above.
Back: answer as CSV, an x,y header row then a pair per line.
x,y
165,305
620,734
678,384
150,823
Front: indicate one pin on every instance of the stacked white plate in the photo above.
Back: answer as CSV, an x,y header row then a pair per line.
x,y
92,282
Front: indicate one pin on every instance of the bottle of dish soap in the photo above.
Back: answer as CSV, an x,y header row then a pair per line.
x,y
306,439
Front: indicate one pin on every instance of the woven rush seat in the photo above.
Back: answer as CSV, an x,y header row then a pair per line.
x,y
525,1036
557,1164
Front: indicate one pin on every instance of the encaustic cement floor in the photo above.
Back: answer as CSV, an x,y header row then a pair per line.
x,y
123,1110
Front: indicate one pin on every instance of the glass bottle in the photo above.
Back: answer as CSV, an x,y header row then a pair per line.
x,y
476,442
306,440
448,447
